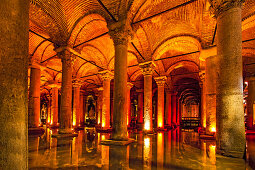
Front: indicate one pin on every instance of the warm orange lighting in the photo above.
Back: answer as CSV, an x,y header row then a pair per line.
x,y
147,142
213,129
74,119
160,150
147,126
103,137
103,124
159,124
212,153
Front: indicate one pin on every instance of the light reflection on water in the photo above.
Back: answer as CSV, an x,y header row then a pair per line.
x,y
163,150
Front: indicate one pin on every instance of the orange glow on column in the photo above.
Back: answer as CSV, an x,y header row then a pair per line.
x,y
103,124
74,119
160,122
213,129
212,155
147,125
160,150
147,153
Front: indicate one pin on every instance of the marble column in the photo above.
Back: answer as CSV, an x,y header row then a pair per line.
x,y
119,34
203,99
65,122
55,105
251,103
34,97
99,105
129,86
230,130
82,113
140,106
147,69
106,76
14,22
173,107
210,93
76,103
161,100
168,111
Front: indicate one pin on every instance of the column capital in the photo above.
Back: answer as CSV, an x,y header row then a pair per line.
x,y
106,75
207,52
160,80
120,31
147,67
53,84
220,6
77,83
129,85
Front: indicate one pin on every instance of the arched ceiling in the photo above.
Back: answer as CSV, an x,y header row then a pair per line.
x,y
164,31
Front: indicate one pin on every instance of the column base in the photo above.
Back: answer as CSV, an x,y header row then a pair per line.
x,y
104,130
207,136
36,131
140,126
53,126
233,154
64,135
117,142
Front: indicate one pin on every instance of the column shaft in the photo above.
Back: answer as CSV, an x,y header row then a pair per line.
x,y
14,22
173,109
82,116
230,136
160,107
106,104
148,102
129,86
120,90
66,94
34,97
210,83
55,105
76,105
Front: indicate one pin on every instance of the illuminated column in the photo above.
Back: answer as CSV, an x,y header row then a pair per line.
x,y
119,33
55,105
106,76
140,106
210,92
129,86
34,97
65,121
76,102
14,21
99,105
147,69
179,113
251,103
160,117
174,99
203,98
82,115
230,135
168,111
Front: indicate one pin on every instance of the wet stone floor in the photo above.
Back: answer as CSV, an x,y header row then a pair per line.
x,y
174,149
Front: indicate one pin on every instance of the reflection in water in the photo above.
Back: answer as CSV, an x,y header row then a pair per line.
x,y
165,150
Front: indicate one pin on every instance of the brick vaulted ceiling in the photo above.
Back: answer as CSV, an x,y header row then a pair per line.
x,y
162,29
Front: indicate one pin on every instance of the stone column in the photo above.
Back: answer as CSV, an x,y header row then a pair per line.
x,y
230,131
34,97
65,123
161,100
173,107
168,111
99,105
140,106
106,76
203,99
55,105
210,92
251,103
14,22
147,69
82,115
76,102
119,34
129,86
